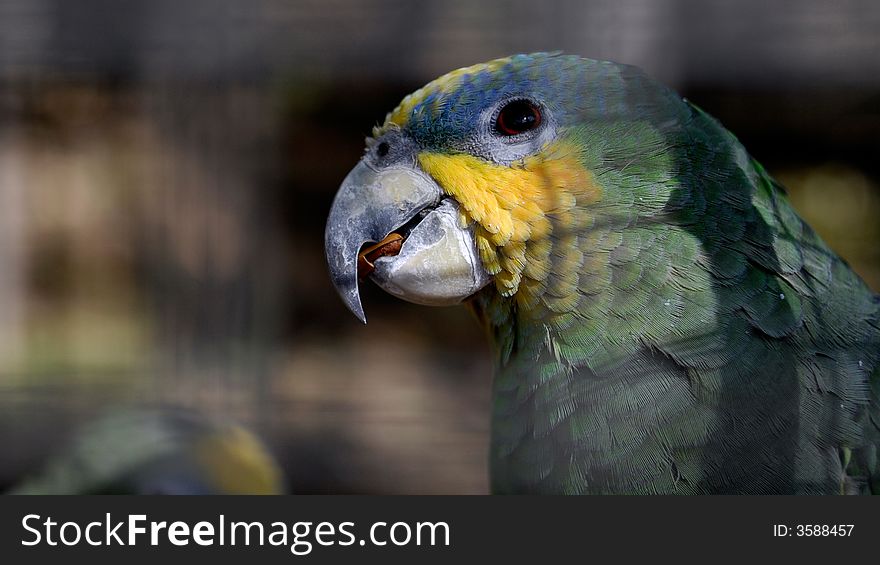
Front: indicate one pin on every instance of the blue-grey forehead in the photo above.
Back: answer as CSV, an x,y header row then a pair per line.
x,y
566,85
445,115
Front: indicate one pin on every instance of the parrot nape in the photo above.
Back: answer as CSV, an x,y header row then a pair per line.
x,y
150,451
662,320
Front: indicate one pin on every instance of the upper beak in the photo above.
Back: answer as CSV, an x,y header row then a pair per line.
x,y
370,204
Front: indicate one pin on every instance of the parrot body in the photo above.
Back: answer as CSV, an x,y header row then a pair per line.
x,y
661,318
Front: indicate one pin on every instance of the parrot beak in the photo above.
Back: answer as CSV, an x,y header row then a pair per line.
x,y
421,254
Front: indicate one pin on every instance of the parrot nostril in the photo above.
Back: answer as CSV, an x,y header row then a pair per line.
x,y
382,149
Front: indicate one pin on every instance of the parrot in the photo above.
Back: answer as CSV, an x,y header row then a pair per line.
x,y
661,319
157,451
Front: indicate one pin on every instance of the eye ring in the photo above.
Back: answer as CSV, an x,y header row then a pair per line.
x,y
518,116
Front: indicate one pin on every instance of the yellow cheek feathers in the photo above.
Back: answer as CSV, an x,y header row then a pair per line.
x,y
517,208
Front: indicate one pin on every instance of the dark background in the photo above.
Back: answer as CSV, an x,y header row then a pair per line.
x,y
166,168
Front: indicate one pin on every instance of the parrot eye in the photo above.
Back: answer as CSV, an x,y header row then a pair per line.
x,y
516,117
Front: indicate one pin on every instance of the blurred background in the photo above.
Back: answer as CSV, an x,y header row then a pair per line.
x,y
166,168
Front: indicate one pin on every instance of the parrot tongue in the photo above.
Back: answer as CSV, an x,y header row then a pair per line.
x,y
388,247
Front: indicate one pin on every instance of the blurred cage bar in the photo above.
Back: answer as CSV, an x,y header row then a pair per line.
x,y
166,168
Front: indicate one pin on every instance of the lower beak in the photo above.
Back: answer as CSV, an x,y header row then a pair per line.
x,y
370,204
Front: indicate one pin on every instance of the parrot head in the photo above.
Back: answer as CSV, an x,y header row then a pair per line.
x,y
477,179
